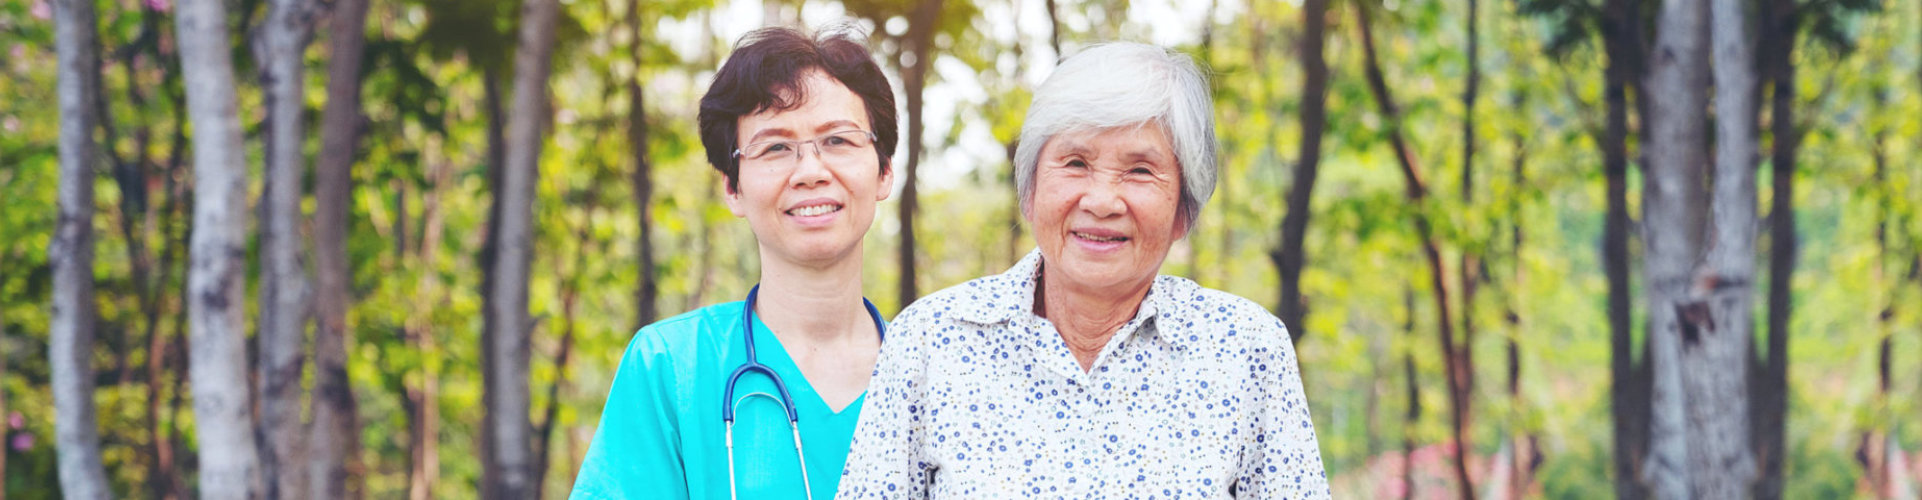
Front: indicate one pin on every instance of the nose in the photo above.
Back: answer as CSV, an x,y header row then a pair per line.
x,y
1103,198
809,170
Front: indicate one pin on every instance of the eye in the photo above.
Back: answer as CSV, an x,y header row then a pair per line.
x,y
1142,171
834,140
1075,163
777,148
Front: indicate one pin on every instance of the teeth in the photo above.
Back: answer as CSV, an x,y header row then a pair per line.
x,y
1104,239
813,210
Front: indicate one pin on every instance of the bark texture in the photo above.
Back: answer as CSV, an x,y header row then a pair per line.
x,y
335,432
70,254
280,45
216,281
1717,364
1674,192
507,437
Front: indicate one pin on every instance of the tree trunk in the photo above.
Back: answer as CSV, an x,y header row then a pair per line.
x,y
645,297
229,456
1314,117
1417,193
279,47
1622,40
1413,414
71,328
1673,194
1527,455
1054,29
920,44
1771,391
423,430
332,470
570,297
1717,366
1470,264
507,436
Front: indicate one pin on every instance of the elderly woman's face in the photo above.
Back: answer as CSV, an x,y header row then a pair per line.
x,y
1104,205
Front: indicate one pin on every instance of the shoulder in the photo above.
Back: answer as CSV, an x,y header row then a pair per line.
x,y
1220,318
683,336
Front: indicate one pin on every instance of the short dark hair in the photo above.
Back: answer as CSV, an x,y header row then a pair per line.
x,y
764,73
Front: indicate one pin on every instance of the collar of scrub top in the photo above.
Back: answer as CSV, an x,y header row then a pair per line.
x,y
753,364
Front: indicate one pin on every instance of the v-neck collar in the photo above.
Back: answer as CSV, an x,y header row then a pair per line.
x,y
774,354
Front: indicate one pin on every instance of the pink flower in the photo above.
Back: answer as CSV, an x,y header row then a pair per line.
x,y
16,420
41,10
157,5
22,442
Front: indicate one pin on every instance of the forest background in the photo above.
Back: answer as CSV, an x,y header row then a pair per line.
x,y
1459,208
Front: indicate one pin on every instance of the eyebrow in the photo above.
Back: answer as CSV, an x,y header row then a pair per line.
x,y
785,133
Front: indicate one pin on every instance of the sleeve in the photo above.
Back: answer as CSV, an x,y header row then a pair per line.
x,y
635,452
1286,458
884,460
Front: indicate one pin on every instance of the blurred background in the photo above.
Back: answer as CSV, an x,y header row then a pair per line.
x,y
1443,200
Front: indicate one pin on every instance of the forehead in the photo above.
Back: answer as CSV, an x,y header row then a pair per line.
x,y
1147,141
827,105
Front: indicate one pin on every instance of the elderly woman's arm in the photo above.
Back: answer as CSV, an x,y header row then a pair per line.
x,y
885,459
1286,460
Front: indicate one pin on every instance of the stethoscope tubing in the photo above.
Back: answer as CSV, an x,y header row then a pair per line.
x,y
753,365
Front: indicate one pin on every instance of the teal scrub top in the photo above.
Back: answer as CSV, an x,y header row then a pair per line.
x,y
661,434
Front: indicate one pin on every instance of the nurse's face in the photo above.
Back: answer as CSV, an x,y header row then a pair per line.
x,y
1104,206
809,203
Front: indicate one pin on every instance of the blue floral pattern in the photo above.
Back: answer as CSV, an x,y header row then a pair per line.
x,y
974,396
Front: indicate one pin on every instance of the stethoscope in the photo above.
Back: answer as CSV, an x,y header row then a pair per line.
x,y
753,364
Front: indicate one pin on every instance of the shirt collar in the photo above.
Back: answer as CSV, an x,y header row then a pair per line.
x,y
1011,293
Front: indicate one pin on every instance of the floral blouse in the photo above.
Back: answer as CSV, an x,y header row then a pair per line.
x,y
974,396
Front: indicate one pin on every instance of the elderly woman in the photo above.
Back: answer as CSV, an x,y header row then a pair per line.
x,y
1080,373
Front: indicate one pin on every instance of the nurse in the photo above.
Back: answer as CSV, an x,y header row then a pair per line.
x,y
801,128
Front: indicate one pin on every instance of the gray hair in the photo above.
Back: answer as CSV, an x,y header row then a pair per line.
x,y
1115,85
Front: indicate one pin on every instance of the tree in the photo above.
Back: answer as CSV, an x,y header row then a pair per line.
x,y
922,24
645,295
1454,362
1717,377
1779,25
335,431
280,47
70,349
507,437
216,282
1314,119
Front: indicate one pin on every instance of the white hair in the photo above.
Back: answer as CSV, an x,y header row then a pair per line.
x,y
1123,84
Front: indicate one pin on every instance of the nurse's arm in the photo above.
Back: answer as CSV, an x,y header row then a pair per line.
x,y
635,452
885,459
1286,458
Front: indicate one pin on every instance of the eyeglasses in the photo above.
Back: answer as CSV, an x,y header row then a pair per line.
x,y
837,146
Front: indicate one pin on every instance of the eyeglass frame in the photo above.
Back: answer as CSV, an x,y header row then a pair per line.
x,y
740,155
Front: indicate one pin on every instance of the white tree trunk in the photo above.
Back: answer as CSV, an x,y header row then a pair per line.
x,y
1717,367
279,45
70,345
1673,228
508,434
216,281
335,438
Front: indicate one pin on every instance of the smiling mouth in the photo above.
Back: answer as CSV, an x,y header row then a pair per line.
x,y
813,210
1101,239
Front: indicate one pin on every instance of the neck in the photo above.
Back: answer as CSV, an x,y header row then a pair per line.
x,y
815,304
1087,316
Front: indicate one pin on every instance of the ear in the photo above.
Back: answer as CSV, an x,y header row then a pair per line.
x,y
732,197
886,184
